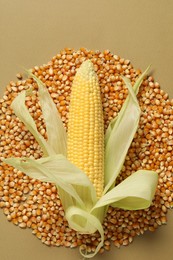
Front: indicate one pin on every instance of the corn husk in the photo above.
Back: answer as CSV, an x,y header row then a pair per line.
x,y
83,210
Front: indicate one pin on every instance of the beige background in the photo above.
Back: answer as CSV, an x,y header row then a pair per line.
x,y
33,31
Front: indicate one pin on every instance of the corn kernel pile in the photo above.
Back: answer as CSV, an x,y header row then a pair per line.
x,y
32,204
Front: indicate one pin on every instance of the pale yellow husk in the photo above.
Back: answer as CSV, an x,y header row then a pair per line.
x,y
84,208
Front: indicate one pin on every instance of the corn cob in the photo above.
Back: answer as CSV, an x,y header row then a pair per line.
x,y
85,142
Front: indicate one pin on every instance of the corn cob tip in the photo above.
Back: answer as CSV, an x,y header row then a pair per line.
x,y
86,70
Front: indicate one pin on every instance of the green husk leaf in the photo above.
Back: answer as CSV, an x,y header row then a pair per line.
x,y
120,133
120,138
54,126
140,80
55,169
21,111
135,89
86,223
58,170
135,192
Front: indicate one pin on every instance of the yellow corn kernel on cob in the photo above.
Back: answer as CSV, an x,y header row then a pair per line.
x,y
85,142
